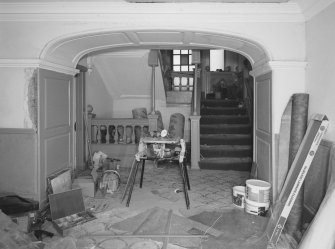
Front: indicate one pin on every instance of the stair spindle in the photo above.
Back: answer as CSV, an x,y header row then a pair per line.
x,y
99,134
133,134
107,134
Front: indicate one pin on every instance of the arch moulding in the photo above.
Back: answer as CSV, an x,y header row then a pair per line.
x,y
63,53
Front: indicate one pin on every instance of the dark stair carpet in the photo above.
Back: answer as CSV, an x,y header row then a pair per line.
x,y
226,163
226,151
225,136
224,119
225,128
223,111
220,102
233,139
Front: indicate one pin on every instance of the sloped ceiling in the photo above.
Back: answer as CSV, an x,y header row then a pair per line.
x,y
126,74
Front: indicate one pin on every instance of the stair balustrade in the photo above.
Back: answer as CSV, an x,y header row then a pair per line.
x,y
116,131
195,122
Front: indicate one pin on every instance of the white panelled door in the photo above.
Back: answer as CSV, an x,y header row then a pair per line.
x,y
263,127
55,128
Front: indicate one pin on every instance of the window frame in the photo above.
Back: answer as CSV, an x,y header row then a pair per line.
x,y
181,73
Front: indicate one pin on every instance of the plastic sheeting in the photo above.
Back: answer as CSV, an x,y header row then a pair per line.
x,y
321,232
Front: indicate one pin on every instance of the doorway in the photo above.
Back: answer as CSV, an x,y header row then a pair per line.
x,y
90,42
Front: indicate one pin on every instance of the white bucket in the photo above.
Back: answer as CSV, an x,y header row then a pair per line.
x,y
256,208
257,190
239,196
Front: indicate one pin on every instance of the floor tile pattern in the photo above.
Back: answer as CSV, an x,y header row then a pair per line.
x,y
210,190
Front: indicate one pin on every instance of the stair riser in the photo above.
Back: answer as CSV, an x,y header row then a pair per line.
x,y
221,103
225,166
227,130
236,111
225,141
224,120
225,153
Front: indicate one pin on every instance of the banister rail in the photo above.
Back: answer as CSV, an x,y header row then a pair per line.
x,y
249,97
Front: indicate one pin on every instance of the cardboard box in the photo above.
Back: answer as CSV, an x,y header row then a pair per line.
x,y
68,210
87,186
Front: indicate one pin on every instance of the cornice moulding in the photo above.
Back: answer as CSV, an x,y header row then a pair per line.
x,y
145,8
95,17
260,70
315,8
287,64
58,68
266,67
37,63
284,12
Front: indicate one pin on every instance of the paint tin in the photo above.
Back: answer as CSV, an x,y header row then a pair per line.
x,y
239,196
256,208
257,191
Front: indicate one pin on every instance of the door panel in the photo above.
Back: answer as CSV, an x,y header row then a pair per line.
x,y
57,113
57,152
55,125
263,127
80,128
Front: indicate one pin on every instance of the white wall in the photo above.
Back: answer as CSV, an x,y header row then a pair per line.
x,y
13,100
121,81
279,29
320,37
98,96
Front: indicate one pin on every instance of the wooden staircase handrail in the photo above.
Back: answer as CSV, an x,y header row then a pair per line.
x,y
249,98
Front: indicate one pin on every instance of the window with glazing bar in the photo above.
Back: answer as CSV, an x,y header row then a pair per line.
x,y
182,75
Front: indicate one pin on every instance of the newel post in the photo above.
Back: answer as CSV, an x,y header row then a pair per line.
x,y
153,63
195,116
195,141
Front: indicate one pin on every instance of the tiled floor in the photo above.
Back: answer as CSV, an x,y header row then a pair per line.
x,y
210,190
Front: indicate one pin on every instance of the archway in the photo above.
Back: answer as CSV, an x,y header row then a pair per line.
x,y
68,50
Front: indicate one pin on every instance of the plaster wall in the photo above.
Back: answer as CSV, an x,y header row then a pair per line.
x,y
13,98
18,162
283,41
26,33
98,96
286,80
320,76
121,82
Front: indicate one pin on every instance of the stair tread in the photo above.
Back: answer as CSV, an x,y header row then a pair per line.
x,y
227,159
224,125
223,116
220,101
220,136
225,147
221,108
228,164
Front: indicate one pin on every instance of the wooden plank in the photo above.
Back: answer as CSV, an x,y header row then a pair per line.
x,y
296,176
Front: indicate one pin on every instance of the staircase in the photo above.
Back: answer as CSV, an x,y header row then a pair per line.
x,y
225,136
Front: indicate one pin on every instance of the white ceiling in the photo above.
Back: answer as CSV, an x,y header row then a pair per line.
x,y
221,1
304,5
157,1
